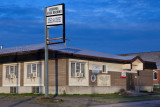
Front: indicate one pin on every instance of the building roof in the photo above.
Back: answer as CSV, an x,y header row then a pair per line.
x,y
75,52
65,49
147,56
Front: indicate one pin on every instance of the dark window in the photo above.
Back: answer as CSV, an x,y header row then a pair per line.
x,y
13,90
35,90
154,75
104,68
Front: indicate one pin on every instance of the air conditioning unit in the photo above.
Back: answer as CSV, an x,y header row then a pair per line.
x,y
34,75
81,74
78,74
12,76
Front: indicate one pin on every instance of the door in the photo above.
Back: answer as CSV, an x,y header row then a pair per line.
x,y
130,82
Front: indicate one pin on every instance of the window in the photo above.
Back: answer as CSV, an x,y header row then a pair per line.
x,y
77,69
155,75
104,69
34,70
13,90
35,90
11,71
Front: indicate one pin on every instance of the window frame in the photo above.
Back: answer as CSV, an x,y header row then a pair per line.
x,y
75,69
154,75
13,90
9,70
36,63
106,71
38,70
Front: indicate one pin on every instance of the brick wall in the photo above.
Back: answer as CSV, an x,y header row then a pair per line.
x,y
57,68
145,78
158,78
116,80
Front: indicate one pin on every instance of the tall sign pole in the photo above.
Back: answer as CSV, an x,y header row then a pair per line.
x,y
54,16
46,57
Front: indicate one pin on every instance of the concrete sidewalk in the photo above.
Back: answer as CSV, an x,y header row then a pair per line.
x,y
153,103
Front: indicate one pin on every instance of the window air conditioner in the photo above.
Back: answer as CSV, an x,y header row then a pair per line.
x,y
81,74
34,75
12,76
78,74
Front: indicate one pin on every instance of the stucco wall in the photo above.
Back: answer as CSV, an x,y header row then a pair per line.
x,y
1,74
73,81
11,82
38,81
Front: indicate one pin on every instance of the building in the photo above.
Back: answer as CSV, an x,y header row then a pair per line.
x,y
154,57
72,71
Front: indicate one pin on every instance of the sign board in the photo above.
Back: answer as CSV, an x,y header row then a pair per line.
x,y
55,15
103,80
55,20
95,69
93,78
123,75
54,10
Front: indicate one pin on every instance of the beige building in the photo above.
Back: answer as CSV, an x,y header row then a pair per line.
x,y
71,71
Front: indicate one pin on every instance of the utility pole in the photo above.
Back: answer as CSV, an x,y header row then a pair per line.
x,y
46,57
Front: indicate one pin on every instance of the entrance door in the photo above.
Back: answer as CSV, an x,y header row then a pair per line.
x,y
130,82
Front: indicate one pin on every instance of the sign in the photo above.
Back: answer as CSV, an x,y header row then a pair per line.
x,y
103,80
93,78
55,20
54,10
55,15
95,69
123,75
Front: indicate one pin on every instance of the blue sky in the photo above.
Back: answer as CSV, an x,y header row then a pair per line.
x,y
110,26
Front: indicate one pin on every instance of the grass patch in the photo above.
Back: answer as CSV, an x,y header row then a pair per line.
x,y
23,94
63,95
119,99
88,95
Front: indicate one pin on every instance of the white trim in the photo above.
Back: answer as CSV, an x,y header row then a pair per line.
x,y
4,74
73,81
11,85
153,75
33,84
78,84
10,64
125,71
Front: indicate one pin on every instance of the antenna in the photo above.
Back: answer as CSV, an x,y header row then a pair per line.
x,y
1,46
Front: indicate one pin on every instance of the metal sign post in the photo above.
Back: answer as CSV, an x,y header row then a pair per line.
x,y
54,16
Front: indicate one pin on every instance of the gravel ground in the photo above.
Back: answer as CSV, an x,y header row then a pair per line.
x,y
104,101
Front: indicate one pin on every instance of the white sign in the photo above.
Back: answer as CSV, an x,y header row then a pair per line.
x,y
103,80
54,10
55,20
123,75
95,69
